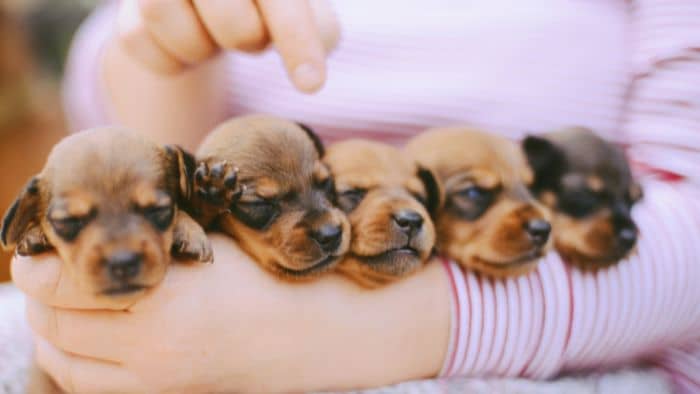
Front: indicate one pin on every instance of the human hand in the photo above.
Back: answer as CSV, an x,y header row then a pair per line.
x,y
169,35
230,327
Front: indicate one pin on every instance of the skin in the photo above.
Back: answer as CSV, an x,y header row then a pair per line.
x,y
169,49
252,316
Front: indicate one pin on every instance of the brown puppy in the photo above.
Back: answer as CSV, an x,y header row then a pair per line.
x,y
381,191
107,201
277,200
489,222
587,183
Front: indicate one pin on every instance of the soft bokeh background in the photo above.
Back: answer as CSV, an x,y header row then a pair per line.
x,y
34,39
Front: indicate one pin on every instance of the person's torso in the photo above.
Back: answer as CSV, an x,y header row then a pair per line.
x,y
506,66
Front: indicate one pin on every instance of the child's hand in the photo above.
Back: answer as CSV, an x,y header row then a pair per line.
x,y
169,35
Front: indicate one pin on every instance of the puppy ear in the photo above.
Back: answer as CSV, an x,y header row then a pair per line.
x,y
433,189
21,215
318,144
636,193
543,156
181,166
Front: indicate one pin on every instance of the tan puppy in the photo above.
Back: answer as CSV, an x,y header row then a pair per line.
x,y
489,222
108,202
260,179
587,183
385,196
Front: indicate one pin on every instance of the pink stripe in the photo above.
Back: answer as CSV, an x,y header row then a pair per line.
x,y
454,340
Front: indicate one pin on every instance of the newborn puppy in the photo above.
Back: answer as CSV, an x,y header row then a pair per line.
x,y
108,202
387,199
588,186
488,222
260,179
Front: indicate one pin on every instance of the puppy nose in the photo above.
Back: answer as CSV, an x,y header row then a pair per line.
x,y
627,237
328,237
538,230
408,220
124,265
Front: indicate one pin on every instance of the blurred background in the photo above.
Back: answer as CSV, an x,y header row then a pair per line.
x,y
34,39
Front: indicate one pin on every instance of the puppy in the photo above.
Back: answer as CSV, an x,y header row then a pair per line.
x,y
387,199
260,179
108,202
588,185
488,222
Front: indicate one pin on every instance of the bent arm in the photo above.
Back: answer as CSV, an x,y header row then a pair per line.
x,y
103,85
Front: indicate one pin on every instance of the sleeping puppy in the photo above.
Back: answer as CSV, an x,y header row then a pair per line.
x,y
260,179
488,222
588,185
108,201
387,199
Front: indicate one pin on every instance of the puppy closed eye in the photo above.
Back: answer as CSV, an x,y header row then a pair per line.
x,y
579,203
350,199
257,214
159,215
472,201
326,185
68,228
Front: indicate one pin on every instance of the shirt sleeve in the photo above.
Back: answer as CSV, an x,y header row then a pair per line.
x,y
661,121
561,319
84,98
645,309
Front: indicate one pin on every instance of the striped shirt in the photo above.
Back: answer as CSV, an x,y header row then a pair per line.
x,y
628,69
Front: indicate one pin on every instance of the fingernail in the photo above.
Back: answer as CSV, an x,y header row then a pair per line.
x,y
307,77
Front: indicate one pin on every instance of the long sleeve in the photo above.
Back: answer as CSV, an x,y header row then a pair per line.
x,y
562,319
647,308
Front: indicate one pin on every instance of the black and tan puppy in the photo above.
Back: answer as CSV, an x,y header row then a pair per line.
x,y
587,183
489,222
108,202
387,199
260,179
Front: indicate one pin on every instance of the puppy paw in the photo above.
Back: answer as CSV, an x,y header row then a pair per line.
x,y
190,242
217,184
197,251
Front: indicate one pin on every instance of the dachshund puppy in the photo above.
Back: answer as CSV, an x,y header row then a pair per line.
x,y
387,199
108,202
488,222
587,184
260,179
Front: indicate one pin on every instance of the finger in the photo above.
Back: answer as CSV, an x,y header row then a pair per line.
x,y
296,37
44,279
80,332
77,374
138,42
175,25
234,24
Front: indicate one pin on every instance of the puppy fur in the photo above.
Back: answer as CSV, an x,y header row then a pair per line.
x,y
107,201
260,179
381,192
488,221
587,184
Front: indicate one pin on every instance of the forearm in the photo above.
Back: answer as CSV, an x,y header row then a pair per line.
x,y
171,109
103,85
336,335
